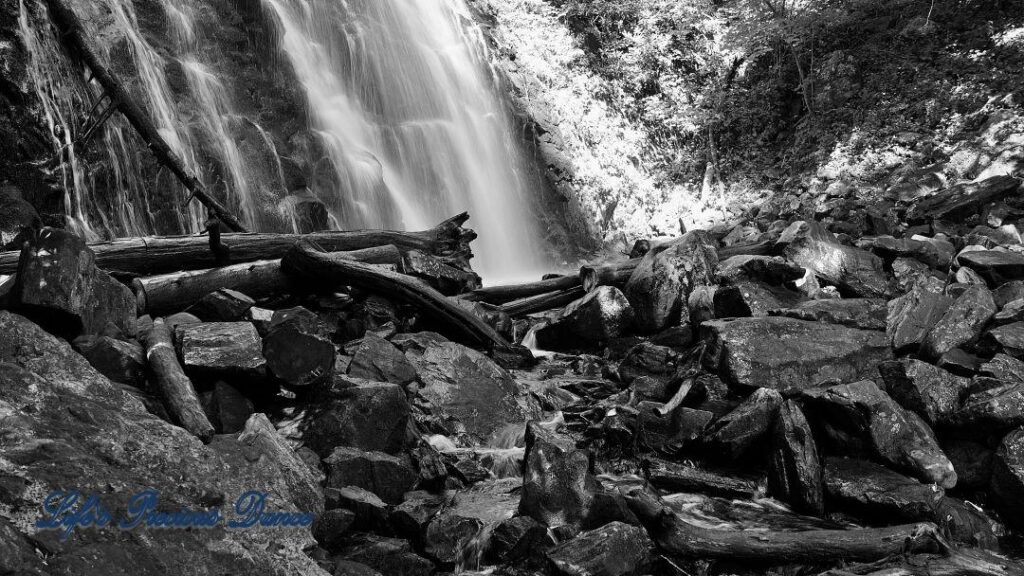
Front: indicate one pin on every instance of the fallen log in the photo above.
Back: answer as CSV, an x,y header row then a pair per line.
x,y
962,562
673,477
74,38
173,386
509,292
962,200
766,248
543,302
306,263
133,257
447,279
177,291
616,275
678,537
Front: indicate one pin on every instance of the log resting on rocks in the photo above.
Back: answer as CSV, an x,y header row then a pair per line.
x,y
543,302
616,275
307,263
178,290
507,293
171,382
448,241
854,271
962,200
680,538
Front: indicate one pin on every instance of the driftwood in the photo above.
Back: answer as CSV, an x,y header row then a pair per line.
x,y
74,38
448,241
543,302
171,383
510,292
678,537
306,263
176,291
617,275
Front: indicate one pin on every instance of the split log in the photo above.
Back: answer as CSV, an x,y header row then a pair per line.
x,y
172,384
74,38
678,537
177,291
133,257
616,275
308,264
509,292
543,302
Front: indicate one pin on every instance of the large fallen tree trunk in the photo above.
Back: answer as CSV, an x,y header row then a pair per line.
x,y
448,241
617,275
73,36
509,292
176,291
678,537
306,263
170,381
962,562
543,302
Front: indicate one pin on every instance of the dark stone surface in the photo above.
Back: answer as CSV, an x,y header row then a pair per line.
x,y
228,410
912,316
331,526
990,411
1008,292
931,392
387,476
221,349
374,358
785,353
773,270
961,324
877,493
122,361
862,313
1004,368
854,271
995,266
518,540
740,430
297,348
224,305
360,414
972,462
1008,338
615,549
1008,479
369,512
794,467
602,314
389,556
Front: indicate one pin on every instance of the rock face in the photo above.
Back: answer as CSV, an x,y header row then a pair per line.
x,y
374,358
221,349
297,348
360,414
661,284
995,266
59,285
785,353
912,316
616,549
102,438
466,385
897,437
389,477
602,314
121,361
738,431
931,392
877,493
961,323
794,470
1008,478
854,271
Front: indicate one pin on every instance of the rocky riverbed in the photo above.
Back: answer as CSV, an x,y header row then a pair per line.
x,y
764,397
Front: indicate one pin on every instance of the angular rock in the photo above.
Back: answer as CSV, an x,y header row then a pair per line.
x,y
962,200
931,392
990,411
909,272
898,437
368,510
348,568
661,283
785,353
365,415
374,358
448,537
995,266
961,324
966,523
751,298
615,549
297,348
912,316
972,462
228,410
1008,338
431,466
876,493
602,314
410,518
466,386
1008,292
794,468
180,319
224,305
1008,479
59,286
331,526
740,430
646,359
221,349
122,361
854,271
770,269
1003,367
389,556
1010,312
892,248
389,477
518,540
960,362
862,313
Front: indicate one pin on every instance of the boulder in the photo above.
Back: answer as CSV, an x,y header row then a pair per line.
x,y
298,350
876,493
359,414
123,361
602,314
344,567
650,360
389,477
862,313
794,467
221,349
389,556
854,271
659,287
466,386
374,358
518,540
1003,367
410,518
734,434
1008,338
893,248
995,266
1008,292
966,523
615,549
972,462
910,272
750,298
961,323
1008,479
898,437
448,538
1010,312
227,409
931,392
332,526
772,270
990,411
369,512
785,353
224,305
59,286
912,316
962,200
